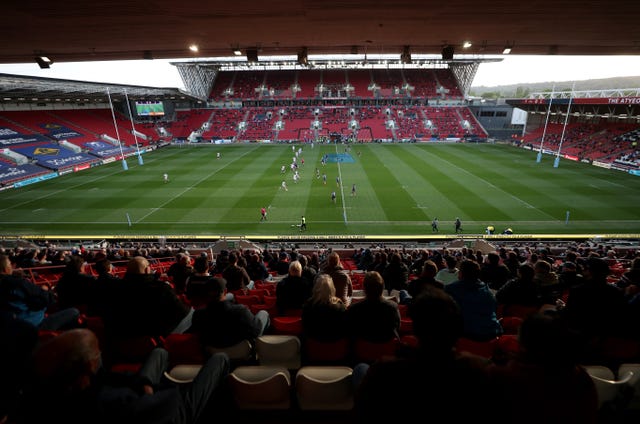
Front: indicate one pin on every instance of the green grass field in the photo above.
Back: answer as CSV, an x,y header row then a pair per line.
x,y
400,188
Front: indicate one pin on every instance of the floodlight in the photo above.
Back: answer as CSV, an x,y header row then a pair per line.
x,y
44,62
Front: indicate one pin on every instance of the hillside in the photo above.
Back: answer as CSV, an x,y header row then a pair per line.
x,y
520,90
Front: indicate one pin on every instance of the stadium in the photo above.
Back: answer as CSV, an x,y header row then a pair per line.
x,y
417,97
311,129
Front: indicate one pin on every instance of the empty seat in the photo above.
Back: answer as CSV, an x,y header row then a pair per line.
x,y
607,386
287,325
279,349
324,388
261,387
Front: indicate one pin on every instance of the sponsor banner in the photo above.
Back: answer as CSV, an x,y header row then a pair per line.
x,y
601,164
619,168
8,133
23,138
634,172
65,171
570,157
81,167
623,100
108,160
628,100
6,187
60,132
12,173
36,179
8,173
626,162
66,161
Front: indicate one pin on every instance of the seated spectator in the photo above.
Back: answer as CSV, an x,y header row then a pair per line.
x,y
222,323
256,269
569,276
236,276
147,305
425,280
450,273
341,280
197,292
631,276
222,261
323,314
477,302
107,288
395,274
547,280
544,382
280,264
374,318
179,272
24,300
69,385
451,384
494,273
293,290
75,289
308,272
596,308
521,290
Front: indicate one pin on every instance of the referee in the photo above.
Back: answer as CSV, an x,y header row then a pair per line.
x,y
303,224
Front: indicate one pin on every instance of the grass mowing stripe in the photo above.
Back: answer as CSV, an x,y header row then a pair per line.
x,y
95,201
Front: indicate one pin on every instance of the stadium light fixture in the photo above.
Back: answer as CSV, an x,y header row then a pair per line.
x,y
43,62
467,44
252,55
405,56
237,52
303,57
447,52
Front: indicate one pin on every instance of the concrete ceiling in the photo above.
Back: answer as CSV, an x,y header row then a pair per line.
x,y
81,30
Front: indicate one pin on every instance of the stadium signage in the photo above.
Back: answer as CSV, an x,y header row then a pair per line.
x,y
64,161
35,179
11,173
23,139
624,100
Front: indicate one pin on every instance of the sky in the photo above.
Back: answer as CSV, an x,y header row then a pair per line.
x,y
514,69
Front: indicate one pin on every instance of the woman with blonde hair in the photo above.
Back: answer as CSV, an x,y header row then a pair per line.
x,y
323,314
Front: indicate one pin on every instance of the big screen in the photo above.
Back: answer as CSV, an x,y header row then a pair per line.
x,y
149,108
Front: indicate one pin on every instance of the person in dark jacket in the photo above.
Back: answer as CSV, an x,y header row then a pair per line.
x,y
293,290
68,384
147,305
223,323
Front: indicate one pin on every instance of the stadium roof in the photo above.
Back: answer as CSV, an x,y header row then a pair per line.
x,y
20,89
79,30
